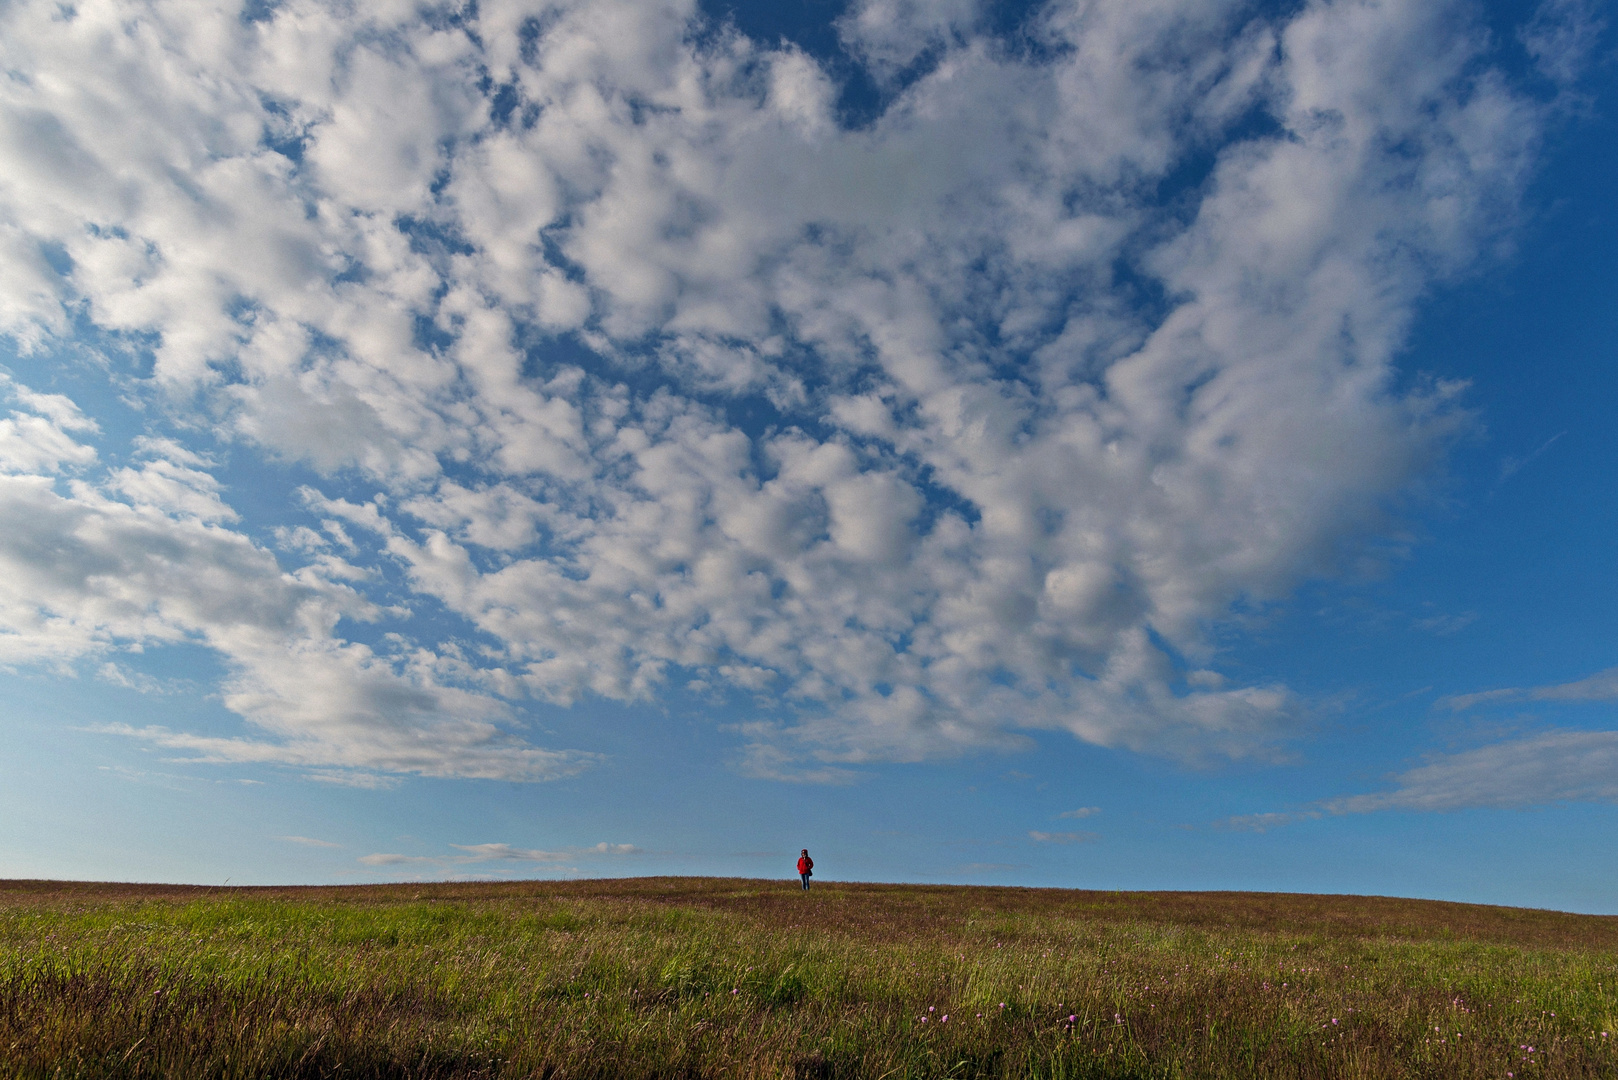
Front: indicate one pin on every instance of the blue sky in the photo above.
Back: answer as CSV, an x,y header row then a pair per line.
x,y
1150,445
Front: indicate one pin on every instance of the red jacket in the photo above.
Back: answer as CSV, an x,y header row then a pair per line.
x,y
805,864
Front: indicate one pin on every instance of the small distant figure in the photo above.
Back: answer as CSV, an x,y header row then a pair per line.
x,y
806,868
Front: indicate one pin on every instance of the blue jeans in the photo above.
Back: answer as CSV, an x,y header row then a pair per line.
x,y
805,882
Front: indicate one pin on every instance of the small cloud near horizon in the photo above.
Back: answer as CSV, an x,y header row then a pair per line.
x,y
482,853
1260,823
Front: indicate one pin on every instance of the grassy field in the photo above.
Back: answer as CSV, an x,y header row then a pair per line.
x,y
691,977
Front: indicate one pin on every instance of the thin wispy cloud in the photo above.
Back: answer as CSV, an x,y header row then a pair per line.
x,y
386,859
1602,686
1261,823
475,854
1556,766
1039,837
1536,770
1511,466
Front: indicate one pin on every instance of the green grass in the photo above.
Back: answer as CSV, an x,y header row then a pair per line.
x,y
705,977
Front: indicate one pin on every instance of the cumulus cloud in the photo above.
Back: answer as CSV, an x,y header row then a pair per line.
x,y
891,34
595,321
143,559
38,435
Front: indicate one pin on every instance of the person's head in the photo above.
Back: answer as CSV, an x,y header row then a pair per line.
x,y
806,851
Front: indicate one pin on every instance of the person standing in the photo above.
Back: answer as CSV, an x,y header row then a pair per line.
x,y
806,868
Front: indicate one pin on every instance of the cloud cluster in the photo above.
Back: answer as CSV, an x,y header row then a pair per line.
x,y
602,329
144,558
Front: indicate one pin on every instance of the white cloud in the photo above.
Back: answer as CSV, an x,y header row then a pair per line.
x,y
37,437
495,853
1602,686
504,852
1561,37
118,675
1081,812
1261,823
1000,486
1062,837
1444,625
892,34
1555,766
308,841
84,573
1511,466
365,781
386,859
174,489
